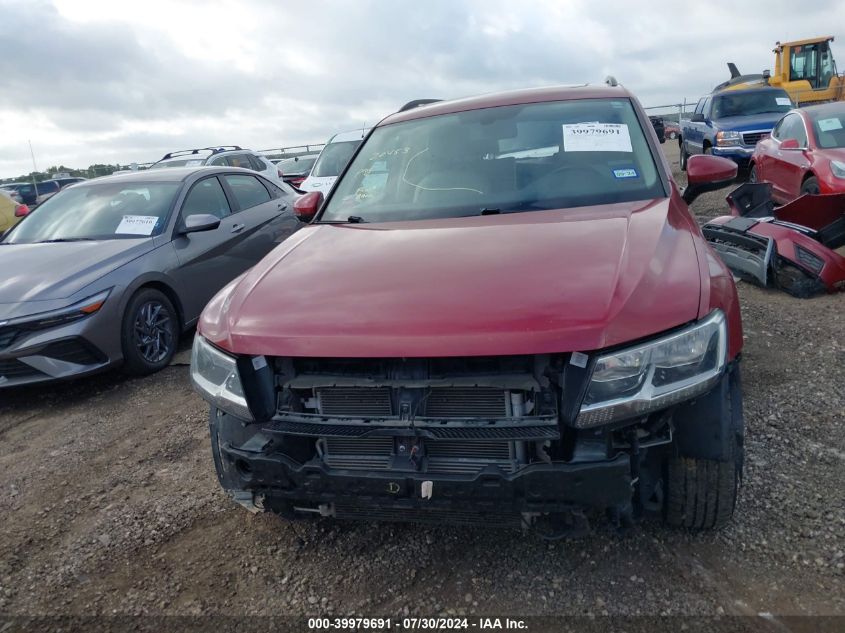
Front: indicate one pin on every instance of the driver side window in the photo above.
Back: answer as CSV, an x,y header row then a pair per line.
x,y
206,196
792,127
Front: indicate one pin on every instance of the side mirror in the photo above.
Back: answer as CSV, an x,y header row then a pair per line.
x,y
306,207
706,172
790,143
697,117
197,222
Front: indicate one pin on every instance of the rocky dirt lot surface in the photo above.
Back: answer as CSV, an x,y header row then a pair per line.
x,y
110,504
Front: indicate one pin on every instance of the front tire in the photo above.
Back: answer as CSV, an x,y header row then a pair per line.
x,y
684,156
149,332
752,173
701,493
811,186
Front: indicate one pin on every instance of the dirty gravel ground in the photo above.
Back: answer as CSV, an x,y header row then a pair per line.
x,y
109,504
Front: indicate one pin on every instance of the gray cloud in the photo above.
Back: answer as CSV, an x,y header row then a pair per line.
x,y
91,91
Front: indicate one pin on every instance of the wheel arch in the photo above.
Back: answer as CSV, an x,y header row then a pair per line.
x,y
157,283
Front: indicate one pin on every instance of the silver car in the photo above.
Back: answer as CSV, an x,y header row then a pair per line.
x,y
112,271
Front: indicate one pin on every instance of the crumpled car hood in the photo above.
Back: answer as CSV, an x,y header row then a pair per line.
x,y
522,283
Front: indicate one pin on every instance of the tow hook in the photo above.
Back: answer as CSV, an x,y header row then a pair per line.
x,y
252,502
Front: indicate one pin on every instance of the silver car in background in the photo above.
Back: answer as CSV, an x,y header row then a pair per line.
x,y
111,271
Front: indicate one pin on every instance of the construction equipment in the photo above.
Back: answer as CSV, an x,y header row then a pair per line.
x,y
804,68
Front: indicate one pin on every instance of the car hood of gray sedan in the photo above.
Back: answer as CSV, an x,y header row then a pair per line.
x,y
48,271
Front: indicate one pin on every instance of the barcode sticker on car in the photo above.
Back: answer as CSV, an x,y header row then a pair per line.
x,y
137,225
783,101
596,137
828,125
579,359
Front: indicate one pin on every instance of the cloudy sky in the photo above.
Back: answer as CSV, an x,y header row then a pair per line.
x,y
128,80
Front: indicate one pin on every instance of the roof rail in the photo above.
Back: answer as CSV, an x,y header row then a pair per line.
x,y
610,80
214,150
416,103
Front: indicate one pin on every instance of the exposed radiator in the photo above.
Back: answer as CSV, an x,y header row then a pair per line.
x,y
439,402
354,401
471,402
439,456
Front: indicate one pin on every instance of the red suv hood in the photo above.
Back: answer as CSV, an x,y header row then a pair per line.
x,y
523,283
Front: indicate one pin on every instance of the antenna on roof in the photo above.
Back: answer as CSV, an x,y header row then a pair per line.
x,y
610,80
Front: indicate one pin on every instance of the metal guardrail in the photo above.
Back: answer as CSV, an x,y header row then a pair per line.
x,y
673,111
292,151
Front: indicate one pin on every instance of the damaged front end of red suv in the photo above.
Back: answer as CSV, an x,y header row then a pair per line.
x,y
501,315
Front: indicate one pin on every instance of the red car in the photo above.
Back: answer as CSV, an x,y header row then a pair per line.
x,y
502,314
672,129
804,154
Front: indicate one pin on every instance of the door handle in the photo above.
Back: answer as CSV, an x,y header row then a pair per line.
x,y
236,228
282,206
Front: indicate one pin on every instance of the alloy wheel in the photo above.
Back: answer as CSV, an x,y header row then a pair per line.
x,y
153,331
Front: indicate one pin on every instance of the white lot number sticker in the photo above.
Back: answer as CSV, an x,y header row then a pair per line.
x,y
783,101
137,225
596,137
828,125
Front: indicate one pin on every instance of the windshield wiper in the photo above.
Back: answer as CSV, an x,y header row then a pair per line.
x,y
487,211
355,219
67,239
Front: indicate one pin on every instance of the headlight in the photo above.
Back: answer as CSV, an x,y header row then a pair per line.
x,y
838,168
216,378
78,310
728,138
655,375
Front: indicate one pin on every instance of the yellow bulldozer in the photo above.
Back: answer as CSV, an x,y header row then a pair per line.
x,y
804,68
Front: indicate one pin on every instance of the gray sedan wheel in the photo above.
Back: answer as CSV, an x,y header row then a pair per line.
x,y
150,332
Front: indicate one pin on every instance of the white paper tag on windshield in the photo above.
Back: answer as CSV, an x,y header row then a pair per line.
x,y
828,125
193,163
783,101
596,137
137,225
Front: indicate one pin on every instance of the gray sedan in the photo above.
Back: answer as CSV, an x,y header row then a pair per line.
x,y
113,270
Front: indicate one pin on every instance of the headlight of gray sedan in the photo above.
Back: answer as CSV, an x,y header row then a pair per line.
x,y
216,378
636,381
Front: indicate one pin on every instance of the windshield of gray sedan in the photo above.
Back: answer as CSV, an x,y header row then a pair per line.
x,y
99,212
498,160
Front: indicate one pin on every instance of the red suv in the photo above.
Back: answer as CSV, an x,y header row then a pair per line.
x,y
502,314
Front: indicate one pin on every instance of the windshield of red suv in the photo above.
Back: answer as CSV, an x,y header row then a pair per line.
x,y
504,159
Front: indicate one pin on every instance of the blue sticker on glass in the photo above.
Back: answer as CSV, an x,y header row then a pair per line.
x,y
625,173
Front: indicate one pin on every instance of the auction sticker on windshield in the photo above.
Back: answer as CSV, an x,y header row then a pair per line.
x,y
783,101
137,225
828,125
596,137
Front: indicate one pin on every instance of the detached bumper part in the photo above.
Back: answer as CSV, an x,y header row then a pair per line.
x,y
746,254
